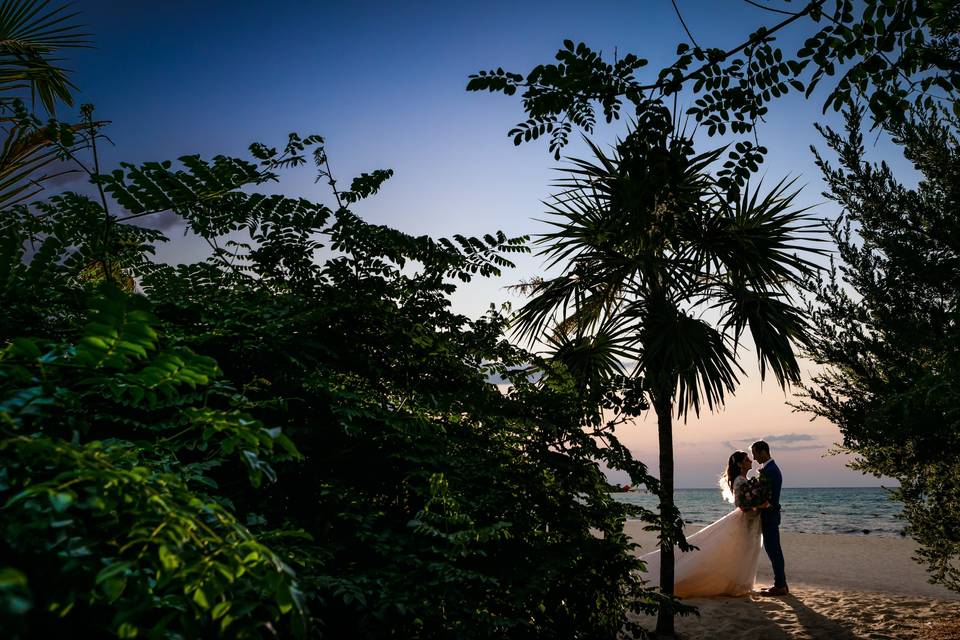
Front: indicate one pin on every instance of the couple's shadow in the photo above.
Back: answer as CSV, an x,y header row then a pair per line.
x,y
763,618
777,613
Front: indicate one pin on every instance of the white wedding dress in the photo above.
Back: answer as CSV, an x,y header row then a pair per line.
x,y
725,563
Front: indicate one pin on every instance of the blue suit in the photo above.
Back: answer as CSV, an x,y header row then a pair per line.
x,y
770,522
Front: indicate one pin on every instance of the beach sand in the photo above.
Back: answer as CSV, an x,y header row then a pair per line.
x,y
842,587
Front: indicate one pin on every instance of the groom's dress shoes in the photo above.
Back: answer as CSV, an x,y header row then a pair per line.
x,y
775,591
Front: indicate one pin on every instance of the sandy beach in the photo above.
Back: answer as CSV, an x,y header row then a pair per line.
x,y
842,587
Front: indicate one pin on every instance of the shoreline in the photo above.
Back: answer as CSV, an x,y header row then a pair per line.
x,y
842,587
853,533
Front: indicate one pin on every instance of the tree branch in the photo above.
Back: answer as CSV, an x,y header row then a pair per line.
x,y
771,9
684,24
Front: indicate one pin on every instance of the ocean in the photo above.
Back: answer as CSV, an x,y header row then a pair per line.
x,y
854,510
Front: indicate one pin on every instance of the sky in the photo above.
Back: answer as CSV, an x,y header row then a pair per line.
x,y
384,84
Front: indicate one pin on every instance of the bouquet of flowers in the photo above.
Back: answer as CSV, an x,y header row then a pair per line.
x,y
753,493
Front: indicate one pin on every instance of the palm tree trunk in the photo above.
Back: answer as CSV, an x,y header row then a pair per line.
x,y
664,410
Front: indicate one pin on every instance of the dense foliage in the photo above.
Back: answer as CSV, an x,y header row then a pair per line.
x,y
888,323
294,436
103,525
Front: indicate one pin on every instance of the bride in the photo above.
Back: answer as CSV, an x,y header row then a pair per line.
x,y
729,549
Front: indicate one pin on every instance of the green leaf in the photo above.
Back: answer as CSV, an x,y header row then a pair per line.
x,y
10,577
220,609
200,597
26,347
168,559
113,587
112,570
60,501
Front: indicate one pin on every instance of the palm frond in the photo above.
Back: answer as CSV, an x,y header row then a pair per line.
x,y
30,34
689,355
596,356
582,297
23,156
774,324
761,241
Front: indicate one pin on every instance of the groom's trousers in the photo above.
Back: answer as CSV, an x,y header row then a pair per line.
x,y
770,526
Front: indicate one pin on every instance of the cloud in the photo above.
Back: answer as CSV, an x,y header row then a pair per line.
x,y
164,221
791,437
803,447
785,442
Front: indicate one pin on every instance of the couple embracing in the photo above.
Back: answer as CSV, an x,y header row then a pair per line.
x,y
725,563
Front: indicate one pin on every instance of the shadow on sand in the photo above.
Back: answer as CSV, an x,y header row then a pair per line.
x,y
760,618
814,625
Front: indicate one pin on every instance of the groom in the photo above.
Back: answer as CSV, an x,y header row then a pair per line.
x,y
770,518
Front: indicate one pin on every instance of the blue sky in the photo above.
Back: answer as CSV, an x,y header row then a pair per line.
x,y
384,83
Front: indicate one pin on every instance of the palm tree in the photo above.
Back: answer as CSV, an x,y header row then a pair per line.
x,y
664,268
31,34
